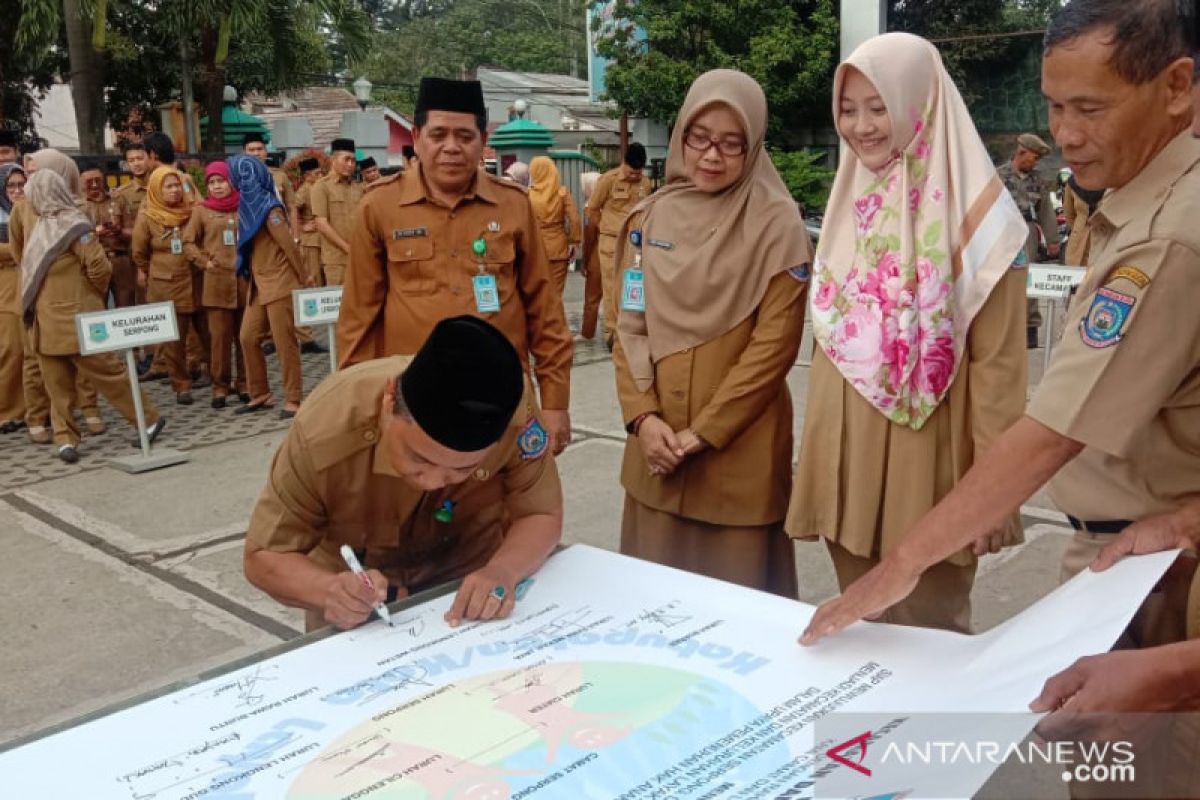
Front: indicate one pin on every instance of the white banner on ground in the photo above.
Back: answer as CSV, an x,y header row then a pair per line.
x,y
126,328
318,306
614,678
1052,281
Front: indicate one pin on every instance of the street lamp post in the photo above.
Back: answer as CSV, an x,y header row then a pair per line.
x,y
362,92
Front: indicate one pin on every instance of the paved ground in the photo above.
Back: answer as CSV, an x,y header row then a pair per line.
x,y
116,584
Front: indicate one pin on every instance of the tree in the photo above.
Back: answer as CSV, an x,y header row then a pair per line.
x,y
22,74
38,29
973,36
658,47
454,39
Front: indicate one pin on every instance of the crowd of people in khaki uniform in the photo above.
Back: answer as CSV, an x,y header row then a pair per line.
x,y
918,445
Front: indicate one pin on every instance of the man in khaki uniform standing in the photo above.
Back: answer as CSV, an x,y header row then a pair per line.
x,y
445,238
616,194
334,199
1031,192
107,213
1115,423
427,467
310,237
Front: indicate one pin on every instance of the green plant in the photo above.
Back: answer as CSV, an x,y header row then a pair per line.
x,y
804,176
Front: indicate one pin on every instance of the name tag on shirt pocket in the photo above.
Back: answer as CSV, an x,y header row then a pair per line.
x,y
411,264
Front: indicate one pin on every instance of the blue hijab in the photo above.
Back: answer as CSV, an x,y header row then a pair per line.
x,y
253,180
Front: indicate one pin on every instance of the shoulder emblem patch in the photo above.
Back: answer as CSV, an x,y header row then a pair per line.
x,y
1131,274
801,273
275,217
1101,326
533,441
87,238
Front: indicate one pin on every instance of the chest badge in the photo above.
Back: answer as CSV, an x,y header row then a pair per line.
x,y
533,440
494,226
1102,325
444,512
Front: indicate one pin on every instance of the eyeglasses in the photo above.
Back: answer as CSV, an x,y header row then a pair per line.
x,y
700,140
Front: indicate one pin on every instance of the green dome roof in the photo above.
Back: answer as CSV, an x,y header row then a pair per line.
x,y
237,124
520,133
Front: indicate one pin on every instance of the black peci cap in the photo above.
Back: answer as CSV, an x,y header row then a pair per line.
x,y
443,94
635,155
464,384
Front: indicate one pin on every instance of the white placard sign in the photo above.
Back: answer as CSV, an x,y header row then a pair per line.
x,y
126,328
317,306
1052,281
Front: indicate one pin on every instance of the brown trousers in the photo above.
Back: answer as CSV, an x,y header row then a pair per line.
x,y
558,273
276,317
593,294
610,288
758,556
942,598
177,356
124,280
37,398
12,352
311,258
104,371
223,327
333,274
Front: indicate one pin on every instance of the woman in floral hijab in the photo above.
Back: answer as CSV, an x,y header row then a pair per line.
x,y
918,313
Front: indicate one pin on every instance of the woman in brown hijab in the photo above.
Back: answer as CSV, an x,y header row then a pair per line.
x,y
64,272
164,269
557,216
715,270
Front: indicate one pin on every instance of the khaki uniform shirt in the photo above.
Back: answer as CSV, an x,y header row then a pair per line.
x,y
76,282
283,188
213,235
613,199
333,483
732,392
169,274
1077,213
131,195
559,234
1125,380
275,266
113,212
304,206
336,200
1032,195
412,265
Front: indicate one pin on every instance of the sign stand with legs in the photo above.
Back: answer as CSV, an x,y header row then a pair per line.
x,y
319,306
125,329
1055,283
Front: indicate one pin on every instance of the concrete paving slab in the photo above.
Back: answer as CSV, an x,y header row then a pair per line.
x,y
592,493
207,499
84,630
220,569
594,406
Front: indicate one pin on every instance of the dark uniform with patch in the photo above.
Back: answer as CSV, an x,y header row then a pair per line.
x,y
333,483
